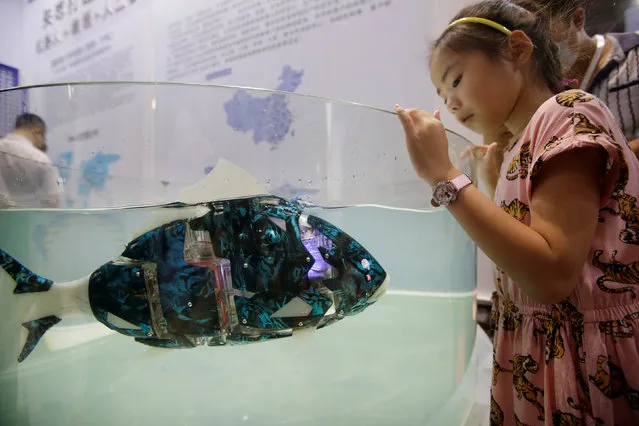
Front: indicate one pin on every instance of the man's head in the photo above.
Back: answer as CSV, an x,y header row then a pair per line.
x,y
567,20
33,128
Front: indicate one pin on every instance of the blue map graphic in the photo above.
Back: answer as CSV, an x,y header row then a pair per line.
x,y
93,174
63,163
267,117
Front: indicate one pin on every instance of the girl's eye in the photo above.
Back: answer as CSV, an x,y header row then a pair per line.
x,y
456,82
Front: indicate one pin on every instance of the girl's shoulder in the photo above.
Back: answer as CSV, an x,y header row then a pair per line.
x,y
575,107
571,120
569,116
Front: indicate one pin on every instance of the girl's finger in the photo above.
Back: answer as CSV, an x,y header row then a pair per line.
x,y
491,152
405,119
419,115
436,114
468,151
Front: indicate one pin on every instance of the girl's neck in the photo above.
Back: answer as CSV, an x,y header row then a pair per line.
x,y
527,104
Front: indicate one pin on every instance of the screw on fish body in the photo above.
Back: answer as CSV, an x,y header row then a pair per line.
x,y
245,267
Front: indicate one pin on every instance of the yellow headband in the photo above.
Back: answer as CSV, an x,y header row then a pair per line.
x,y
488,22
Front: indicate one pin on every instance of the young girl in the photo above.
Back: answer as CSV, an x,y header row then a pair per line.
x,y
563,230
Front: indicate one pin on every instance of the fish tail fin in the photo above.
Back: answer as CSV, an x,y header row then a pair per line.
x,y
36,329
26,281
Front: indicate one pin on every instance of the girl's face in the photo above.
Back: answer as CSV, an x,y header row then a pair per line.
x,y
480,92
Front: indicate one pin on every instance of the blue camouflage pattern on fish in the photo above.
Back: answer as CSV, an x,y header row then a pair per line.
x,y
253,284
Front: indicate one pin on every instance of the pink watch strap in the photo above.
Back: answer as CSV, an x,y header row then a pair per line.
x,y
461,181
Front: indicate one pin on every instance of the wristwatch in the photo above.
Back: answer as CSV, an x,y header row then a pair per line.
x,y
446,192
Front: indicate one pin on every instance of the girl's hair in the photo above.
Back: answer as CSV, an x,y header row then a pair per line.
x,y
465,37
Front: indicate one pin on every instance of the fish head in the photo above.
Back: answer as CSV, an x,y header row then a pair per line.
x,y
350,271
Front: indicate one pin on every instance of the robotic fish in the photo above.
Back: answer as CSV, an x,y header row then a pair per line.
x,y
228,270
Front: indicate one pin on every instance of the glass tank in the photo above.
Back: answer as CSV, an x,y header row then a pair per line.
x,y
232,256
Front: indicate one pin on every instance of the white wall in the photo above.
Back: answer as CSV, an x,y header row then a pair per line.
x,y
11,32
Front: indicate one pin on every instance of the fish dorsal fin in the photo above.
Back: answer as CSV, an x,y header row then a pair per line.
x,y
226,181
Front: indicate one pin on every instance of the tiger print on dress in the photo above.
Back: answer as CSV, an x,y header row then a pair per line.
x,y
629,213
552,143
616,272
551,326
569,98
576,321
628,210
516,209
496,413
620,328
519,166
584,126
611,381
550,329
524,388
510,318
565,419
585,408
519,422
494,311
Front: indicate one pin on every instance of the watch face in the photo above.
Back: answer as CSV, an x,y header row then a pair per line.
x,y
445,193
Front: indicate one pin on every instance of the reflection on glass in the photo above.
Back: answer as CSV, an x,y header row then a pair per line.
x,y
322,195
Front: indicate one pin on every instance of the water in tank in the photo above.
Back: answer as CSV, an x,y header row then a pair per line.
x,y
330,180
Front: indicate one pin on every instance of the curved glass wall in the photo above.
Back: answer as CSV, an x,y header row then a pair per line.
x,y
132,157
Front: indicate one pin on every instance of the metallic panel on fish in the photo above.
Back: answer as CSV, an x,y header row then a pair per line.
x,y
242,272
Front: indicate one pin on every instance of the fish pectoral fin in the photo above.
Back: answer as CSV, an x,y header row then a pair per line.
x,y
36,329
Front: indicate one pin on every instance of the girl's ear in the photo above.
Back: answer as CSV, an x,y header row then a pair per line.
x,y
520,48
579,18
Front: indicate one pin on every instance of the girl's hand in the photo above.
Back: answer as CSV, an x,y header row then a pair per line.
x,y
485,159
427,145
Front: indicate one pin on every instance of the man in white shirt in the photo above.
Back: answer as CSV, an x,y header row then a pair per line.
x,y
28,177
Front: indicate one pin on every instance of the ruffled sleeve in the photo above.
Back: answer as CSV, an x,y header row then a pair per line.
x,y
575,119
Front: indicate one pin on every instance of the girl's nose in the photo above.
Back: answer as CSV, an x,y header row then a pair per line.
x,y
453,105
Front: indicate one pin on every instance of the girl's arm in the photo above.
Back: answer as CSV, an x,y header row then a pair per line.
x,y
634,145
545,259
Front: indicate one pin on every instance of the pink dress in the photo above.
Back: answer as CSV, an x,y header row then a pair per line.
x,y
575,362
